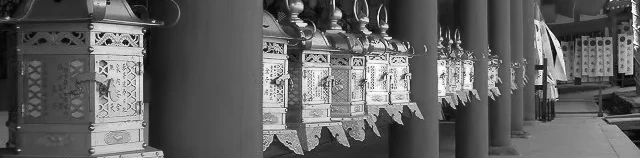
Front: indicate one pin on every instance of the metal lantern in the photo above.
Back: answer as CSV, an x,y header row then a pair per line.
x,y
275,81
80,80
312,82
347,66
442,63
388,75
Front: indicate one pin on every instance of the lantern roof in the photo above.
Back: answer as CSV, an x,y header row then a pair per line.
x,y
103,11
272,29
320,42
346,42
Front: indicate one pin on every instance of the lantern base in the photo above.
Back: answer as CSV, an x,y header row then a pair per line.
x,y
148,152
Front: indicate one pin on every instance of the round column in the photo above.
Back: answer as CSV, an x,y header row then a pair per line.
x,y
500,109
472,124
206,94
530,55
517,110
417,22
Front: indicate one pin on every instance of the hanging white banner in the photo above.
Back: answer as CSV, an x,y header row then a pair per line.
x,y
577,58
608,56
622,49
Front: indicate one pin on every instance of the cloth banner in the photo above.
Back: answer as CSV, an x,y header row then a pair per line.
x,y
599,56
629,53
608,56
567,48
559,70
586,66
577,58
592,57
622,49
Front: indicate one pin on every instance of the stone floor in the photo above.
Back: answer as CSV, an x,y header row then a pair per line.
x,y
568,136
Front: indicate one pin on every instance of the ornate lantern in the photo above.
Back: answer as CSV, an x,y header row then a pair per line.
x,y
443,73
310,91
467,70
347,66
275,81
494,65
387,69
80,80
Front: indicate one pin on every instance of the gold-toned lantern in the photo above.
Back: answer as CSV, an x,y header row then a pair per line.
x,y
387,69
80,80
310,91
348,68
275,81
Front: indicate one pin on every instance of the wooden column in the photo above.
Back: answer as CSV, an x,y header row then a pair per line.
x,y
530,55
472,124
516,56
417,22
206,71
500,110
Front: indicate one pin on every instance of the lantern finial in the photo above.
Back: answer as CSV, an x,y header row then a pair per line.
x,y
382,23
362,17
296,7
335,14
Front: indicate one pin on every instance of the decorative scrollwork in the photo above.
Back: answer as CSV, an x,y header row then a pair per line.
x,y
267,139
413,107
342,61
54,140
316,58
339,134
313,138
288,138
117,39
35,83
355,129
117,137
372,123
53,38
396,113
273,48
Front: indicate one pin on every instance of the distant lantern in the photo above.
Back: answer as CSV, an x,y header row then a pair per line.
x,y
80,89
387,71
312,84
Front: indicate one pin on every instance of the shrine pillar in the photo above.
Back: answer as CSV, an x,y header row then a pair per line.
x,y
516,58
472,124
530,55
206,79
500,109
417,22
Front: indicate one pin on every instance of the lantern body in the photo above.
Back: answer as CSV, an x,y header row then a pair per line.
x,y
275,84
400,79
377,69
348,92
79,90
274,73
80,81
310,91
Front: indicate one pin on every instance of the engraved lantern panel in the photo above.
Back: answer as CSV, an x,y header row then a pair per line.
x,y
399,79
348,89
274,81
377,87
310,91
79,89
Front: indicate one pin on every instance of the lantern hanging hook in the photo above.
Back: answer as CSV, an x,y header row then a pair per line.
x,y
315,29
178,16
386,17
356,11
27,13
